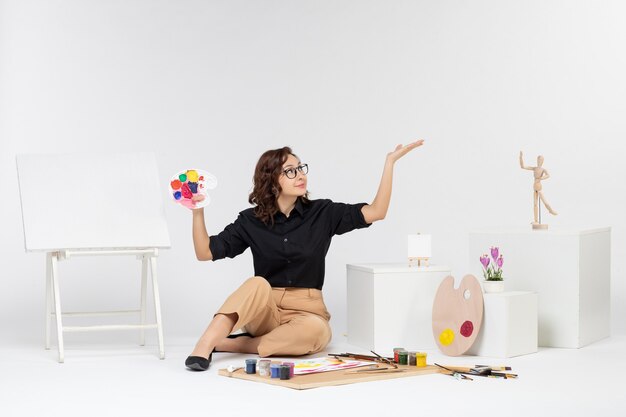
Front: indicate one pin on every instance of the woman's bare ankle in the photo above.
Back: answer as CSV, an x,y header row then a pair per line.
x,y
201,350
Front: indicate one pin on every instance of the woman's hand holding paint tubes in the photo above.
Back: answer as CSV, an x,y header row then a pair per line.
x,y
197,198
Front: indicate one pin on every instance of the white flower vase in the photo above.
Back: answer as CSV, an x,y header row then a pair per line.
x,y
492,287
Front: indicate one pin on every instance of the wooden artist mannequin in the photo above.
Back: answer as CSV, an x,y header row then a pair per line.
x,y
540,174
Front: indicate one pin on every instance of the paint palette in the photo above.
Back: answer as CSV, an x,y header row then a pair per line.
x,y
189,188
457,315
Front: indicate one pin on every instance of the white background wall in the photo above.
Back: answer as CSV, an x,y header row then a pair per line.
x,y
213,84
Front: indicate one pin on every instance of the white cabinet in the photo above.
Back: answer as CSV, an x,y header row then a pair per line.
x,y
390,305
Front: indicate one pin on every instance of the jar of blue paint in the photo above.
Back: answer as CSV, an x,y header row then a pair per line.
x,y
251,366
275,370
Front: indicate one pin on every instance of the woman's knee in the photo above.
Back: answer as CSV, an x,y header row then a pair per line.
x,y
302,336
257,284
317,334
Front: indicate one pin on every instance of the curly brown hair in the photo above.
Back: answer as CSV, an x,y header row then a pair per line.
x,y
266,188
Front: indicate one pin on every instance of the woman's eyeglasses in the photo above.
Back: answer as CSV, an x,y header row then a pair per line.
x,y
291,173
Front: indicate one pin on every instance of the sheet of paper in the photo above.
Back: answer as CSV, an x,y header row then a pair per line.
x,y
310,366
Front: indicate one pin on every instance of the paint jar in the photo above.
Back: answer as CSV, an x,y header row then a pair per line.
x,y
412,358
264,367
403,357
395,354
284,371
292,367
251,366
420,358
275,370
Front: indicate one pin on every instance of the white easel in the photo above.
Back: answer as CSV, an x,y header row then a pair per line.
x,y
53,297
69,228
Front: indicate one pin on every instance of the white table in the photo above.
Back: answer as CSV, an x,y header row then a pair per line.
x,y
509,325
570,270
390,305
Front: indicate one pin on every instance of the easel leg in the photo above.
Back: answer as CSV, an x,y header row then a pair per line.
x,y
57,306
157,305
48,297
144,287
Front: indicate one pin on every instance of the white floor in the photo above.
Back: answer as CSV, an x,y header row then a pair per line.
x,y
125,380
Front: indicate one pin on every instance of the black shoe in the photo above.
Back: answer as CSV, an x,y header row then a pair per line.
x,y
198,363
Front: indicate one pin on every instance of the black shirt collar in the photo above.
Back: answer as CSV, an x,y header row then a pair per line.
x,y
297,208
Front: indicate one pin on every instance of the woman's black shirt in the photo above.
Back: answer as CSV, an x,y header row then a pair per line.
x,y
290,253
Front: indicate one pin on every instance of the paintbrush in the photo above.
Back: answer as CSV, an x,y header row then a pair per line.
x,y
504,375
478,370
385,360
462,369
375,369
495,368
484,371
455,374
348,354
357,356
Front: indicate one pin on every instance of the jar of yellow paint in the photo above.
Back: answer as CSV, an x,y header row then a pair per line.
x,y
420,359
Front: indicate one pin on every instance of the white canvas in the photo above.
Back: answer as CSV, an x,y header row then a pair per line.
x,y
79,201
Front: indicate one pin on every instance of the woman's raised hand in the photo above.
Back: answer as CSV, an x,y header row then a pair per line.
x,y
402,150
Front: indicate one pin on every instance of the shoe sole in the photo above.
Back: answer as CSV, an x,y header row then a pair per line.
x,y
196,367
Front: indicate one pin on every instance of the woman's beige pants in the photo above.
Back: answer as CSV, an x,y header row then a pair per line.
x,y
289,321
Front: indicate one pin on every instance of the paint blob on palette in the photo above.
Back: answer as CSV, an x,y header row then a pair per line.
x,y
190,187
457,315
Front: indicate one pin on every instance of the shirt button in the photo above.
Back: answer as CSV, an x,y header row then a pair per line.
x,y
285,240
288,261
289,282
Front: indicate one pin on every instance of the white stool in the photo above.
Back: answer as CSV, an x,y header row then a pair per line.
x,y
509,325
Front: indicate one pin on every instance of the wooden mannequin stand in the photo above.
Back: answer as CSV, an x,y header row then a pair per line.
x,y
539,225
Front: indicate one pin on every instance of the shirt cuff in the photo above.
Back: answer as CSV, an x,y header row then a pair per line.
x,y
359,219
217,248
